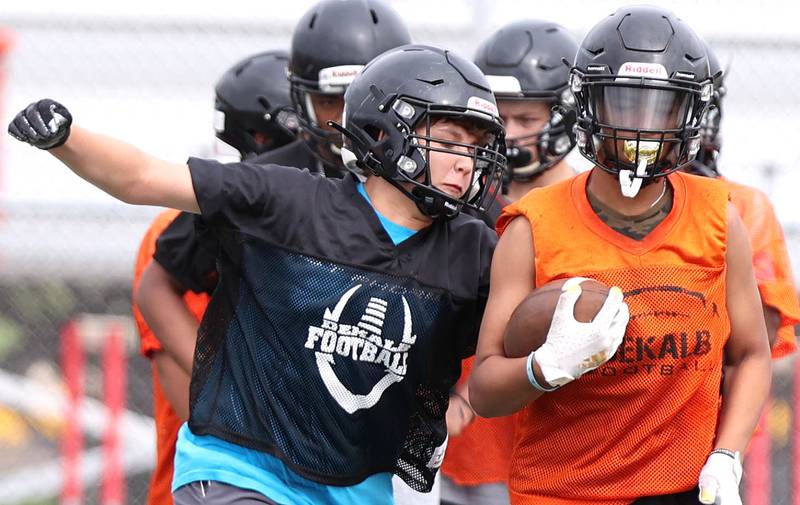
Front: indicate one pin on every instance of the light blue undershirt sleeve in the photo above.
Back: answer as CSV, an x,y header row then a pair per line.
x,y
396,232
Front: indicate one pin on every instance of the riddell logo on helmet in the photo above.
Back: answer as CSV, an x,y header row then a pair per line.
x,y
639,69
478,103
335,79
343,73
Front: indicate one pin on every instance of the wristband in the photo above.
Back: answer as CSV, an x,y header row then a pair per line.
x,y
532,377
733,454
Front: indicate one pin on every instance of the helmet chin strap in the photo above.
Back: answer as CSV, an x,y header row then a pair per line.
x,y
630,184
350,162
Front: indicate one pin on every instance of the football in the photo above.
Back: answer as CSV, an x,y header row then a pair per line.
x,y
529,323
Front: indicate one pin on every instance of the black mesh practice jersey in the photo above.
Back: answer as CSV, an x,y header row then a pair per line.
x,y
188,252
324,343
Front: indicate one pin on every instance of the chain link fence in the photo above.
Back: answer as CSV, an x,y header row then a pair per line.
x,y
67,250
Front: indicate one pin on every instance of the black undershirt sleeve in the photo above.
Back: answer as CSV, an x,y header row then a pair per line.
x,y
187,250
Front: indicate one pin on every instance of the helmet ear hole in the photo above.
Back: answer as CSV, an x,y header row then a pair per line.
x,y
374,132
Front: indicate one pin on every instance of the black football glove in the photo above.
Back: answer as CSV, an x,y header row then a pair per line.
x,y
43,124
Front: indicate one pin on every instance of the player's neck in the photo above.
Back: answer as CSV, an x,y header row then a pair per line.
x,y
394,205
605,187
554,174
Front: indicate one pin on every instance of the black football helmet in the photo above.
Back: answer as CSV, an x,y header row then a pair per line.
x,y
389,110
642,85
524,60
252,98
331,43
705,163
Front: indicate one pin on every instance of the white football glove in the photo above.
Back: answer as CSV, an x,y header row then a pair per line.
x,y
573,348
719,479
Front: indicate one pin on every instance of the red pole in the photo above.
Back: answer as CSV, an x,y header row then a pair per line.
x,y
72,365
758,463
114,383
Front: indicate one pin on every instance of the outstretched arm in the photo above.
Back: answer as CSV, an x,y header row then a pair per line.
x,y
118,168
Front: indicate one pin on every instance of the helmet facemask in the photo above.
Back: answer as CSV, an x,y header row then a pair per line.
x,y
251,133
326,144
486,157
399,150
532,154
638,128
705,163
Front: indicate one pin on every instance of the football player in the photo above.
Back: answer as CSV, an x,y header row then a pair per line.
x,y
632,407
325,359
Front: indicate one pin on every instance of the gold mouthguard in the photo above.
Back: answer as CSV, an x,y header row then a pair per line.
x,y
648,150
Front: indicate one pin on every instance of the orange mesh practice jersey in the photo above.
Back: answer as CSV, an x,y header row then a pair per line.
x,y
770,262
481,454
643,423
167,422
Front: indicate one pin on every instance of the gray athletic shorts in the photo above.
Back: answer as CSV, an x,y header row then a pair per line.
x,y
485,494
211,492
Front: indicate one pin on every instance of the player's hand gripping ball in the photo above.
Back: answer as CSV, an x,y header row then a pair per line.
x,y
43,124
572,326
